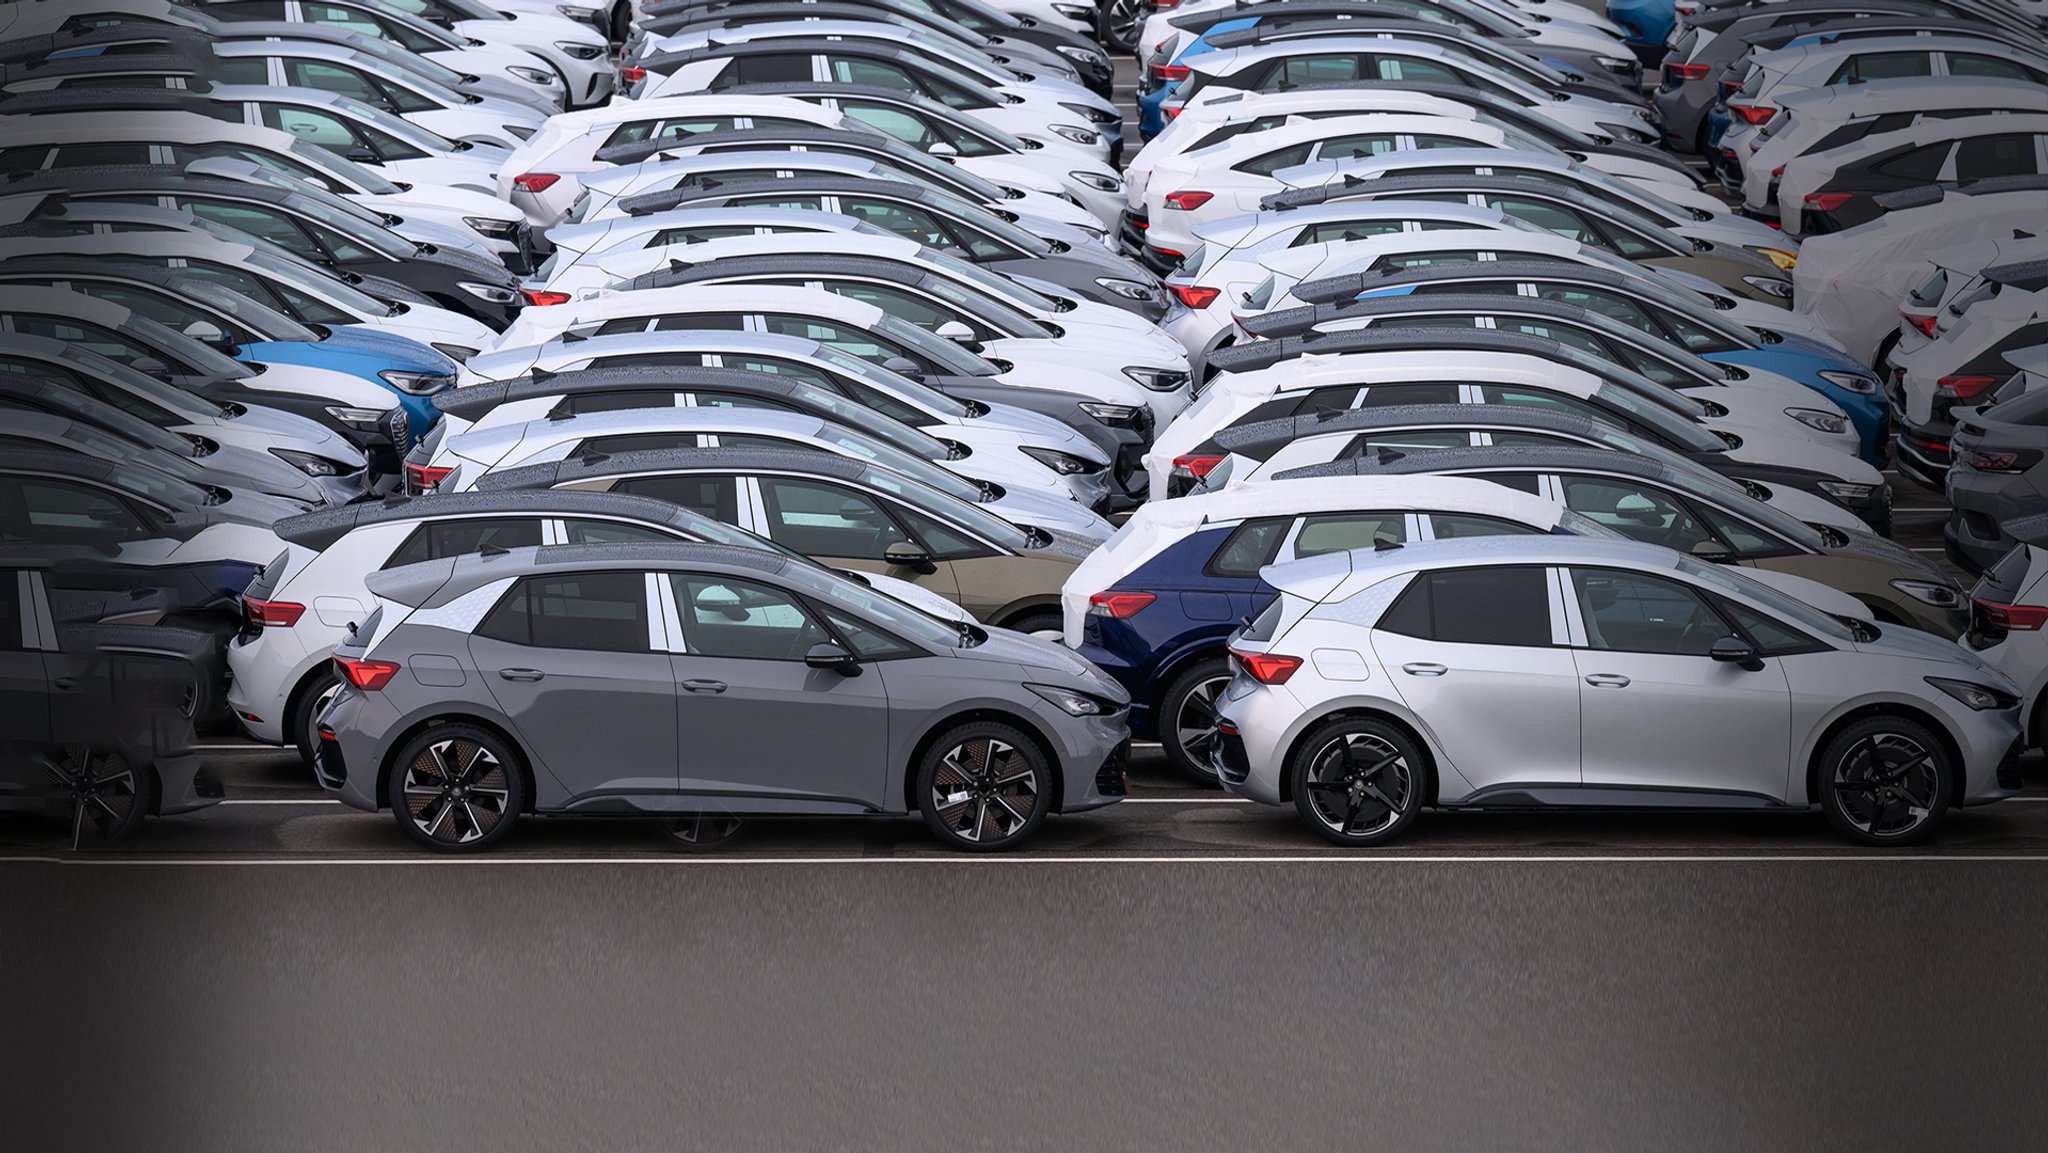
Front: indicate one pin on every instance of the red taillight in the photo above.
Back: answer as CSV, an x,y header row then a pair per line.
x,y
1963,387
1828,201
1730,87
535,181
632,74
1924,323
1686,71
2014,618
1186,201
1163,5
1170,72
540,298
1197,466
1776,173
1266,668
368,676
271,614
1752,114
1994,461
1194,296
1173,112
1118,605
425,477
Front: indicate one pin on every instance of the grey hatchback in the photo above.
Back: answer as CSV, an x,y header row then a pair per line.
x,y
694,684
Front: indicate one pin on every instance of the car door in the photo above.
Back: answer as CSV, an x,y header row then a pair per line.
x,y
1479,656
1656,711
578,662
24,682
848,528
754,721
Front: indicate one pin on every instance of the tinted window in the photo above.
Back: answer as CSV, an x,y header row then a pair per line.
x,y
1923,163
1342,531
611,531
69,511
1251,546
1882,66
819,519
606,612
1274,161
2007,154
1975,64
1453,526
10,610
714,496
1638,613
731,618
1312,70
1343,230
1484,606
1636,511
437,539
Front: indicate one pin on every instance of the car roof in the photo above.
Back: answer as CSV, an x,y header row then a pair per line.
x,y
795,185
1223,61
89,99
1261,439
1909,93
902,269
591,466
60,463
1513,456
640,150
319,530
1337,575
636,299
1254,355
63,302
1348,181
433,583
1481,303
475,400
132,179
1348,285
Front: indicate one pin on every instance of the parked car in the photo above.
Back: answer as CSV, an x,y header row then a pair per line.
x,y
1530,672
1837,189
2008,608
1995,477
1966,366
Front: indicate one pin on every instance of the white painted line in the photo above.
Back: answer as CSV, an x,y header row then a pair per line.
x,y
1198,801
241,748
285,801
1847,855
1930,550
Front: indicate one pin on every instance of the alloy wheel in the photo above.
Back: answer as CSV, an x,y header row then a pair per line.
x,y
1886,785
103,790
1360,785
1194,726
1118,26
984,789
456,791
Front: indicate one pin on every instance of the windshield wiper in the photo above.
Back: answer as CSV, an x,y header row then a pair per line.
x,y
971,634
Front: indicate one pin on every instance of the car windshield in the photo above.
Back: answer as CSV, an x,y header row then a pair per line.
x,y
175,464
893,615
303,278
252,318
1670,424
950,509
895,459
342,171
404,61
1788,527
1001,287
926,398
937,350
158,486
1731,581
397,126
124,425
867,421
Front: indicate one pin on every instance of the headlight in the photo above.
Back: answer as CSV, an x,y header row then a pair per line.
x,y
1850,381
493,229
455,351
1624,132
1814,418
1077,12
1934,593
353,417
1059,462
1115,415
1770,286
591,16
307,463
1157,379
539,76
1077,135
575,51
1616,63
416,383
1091,113
1098,181
1128,289
1784,261
1977,697
1074,704
1080,55
495,293
1843,490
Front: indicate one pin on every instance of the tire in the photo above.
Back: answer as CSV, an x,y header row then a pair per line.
x,y
1358,781
1116,25
699,832
456,788
109,796
313,696
1040,623
983,787
1190,698
1886,781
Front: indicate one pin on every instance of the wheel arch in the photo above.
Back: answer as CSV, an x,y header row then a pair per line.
x,y
1958,771
422,724
300,687
984,712
1024,607
1362,711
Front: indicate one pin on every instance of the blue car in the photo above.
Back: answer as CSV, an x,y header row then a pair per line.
x,y
407,369
1154,605
1648,24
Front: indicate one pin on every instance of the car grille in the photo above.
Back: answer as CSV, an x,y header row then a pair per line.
x,y
398,426
1112,780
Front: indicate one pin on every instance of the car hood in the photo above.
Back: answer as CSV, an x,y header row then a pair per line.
x,y
397,350
1900,641
1013,648
1872,547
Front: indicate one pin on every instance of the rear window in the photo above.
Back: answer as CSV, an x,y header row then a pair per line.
x,y
1929,292
1478,606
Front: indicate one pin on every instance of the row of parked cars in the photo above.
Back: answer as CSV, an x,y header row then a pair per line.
x,y
522,431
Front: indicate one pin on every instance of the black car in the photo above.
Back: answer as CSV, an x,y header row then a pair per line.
x,y
1962,152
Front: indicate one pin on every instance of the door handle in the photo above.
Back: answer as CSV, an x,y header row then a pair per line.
x,y
1424,669
702,686
1607,680
521,674
64,683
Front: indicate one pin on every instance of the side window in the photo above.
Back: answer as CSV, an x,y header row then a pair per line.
x,y
2007,154
943,542
1312,70
258,222
714,496
331,78
1770,638
437,539
775,367
1343,531
774,69
826,520
1427,260
904,126
1741,537
1455,526
1480,606
901,219
311,125
700,235
91,337
1519,481
1410,68
1252,545
1385,395
1273,162
1977,64
1922,163
1414,440
1354,147
1610,304
636,442
1536,398
241,70
1636,511
603,612
65,511
612,532
1341,230
1882,66
869,643
1637,613
1545,215
855,70
732,618
10,610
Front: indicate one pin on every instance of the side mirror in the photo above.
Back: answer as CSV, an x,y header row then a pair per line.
x,y
955,331
149,366
942,150
909,555
1712,550
1738,652
904,366
206,332
826,655
364,156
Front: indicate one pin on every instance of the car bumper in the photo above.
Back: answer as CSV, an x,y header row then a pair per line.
x,y
263,669
1981,503
351,738
1991,742
1092,752
1923,455
1251,761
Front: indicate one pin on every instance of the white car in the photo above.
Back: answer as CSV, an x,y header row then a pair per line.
x,y
851,326
1048,458
2010,620
967,51
1934,304
1950,150
306,599
1820,119
1965,361
405,152
1565,26
468,456
593,244
435,103
575,48
544,176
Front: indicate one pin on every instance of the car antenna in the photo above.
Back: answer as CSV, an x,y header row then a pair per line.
x,y
593,456
563,410
490,550
542,375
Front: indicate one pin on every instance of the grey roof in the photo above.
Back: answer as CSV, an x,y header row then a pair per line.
x,y
319,530
474,400
1266,32
132,179
2029,274
1261,439
592,465
1266,353
2029,530
435,582
1350,284
61,463
1290,321
639,150
116,98
690,272
670,61
1455,459
714,188
1350,183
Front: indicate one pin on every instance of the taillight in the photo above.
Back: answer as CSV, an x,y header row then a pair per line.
x,y
1686,71
425,477
1751,113
1963,387
1186,201
1193,296
1924,323
632,74
1778,172
1173,112
1170,72
271,614
1197,465
1730,87
1266,668
1828,201
1163,5
1118,605
541,297
2014,618
535,181
368,676
1991,460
